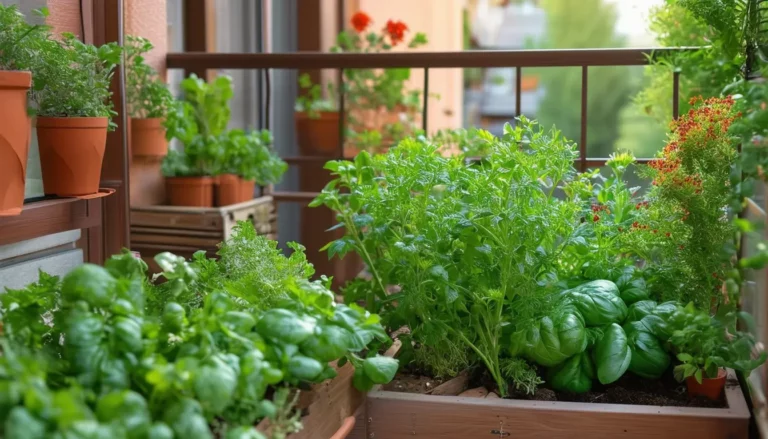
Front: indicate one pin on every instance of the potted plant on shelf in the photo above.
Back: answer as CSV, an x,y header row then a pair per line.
x,y
198,121
248,160
19,42
381,108
74,111
706,346
148,99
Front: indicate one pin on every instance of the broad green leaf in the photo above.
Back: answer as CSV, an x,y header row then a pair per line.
x,y
380,369
612,355
574,375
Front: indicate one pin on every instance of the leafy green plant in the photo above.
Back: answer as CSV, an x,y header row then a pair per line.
x,y
72,79
441,231
311,100
20,41
147,94
250,156
705,344
114,364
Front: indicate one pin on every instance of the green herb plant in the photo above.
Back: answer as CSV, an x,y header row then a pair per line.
x,y
147,94
250,156
72,79
20,41
103,361
444,233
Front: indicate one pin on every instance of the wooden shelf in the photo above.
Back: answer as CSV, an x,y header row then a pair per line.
x,y
50,216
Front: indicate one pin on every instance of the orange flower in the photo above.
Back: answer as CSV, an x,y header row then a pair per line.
x,y
396,31
360,21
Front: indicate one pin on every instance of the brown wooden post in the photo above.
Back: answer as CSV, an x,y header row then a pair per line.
x,y
199,31
108,27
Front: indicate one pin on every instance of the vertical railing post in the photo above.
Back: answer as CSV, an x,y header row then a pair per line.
x,y
675,95
584,105
342,114
518,91
425,107
267,99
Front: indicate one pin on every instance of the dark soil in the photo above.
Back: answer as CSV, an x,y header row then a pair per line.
x,y
630,389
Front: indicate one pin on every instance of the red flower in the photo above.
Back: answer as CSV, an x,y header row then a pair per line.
x,y
595,218
360,21
668,234
396,31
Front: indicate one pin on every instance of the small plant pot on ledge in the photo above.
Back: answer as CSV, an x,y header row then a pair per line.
x,y
14,140
190,191
232,189
318,136
711,388
148,138
71,154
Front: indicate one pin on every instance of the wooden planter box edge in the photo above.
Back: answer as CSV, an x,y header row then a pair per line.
x,y
393,415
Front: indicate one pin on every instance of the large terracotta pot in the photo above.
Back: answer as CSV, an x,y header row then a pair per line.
x,y
148,138
711,388
231,189
318,136
190,191
71,154
247,189
14,140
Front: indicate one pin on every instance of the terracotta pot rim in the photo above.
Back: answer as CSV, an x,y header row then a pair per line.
x,y
153,121
228,176
193,180
20,79
71,122
324,115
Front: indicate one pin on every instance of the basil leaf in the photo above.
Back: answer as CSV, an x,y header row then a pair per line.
x,y
380,369
283,325
304,368
612,354
574,375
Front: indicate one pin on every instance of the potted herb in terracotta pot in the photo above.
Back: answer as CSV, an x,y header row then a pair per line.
x,y
198,121
18,45
381,110
74,112
148,99
706,346
248,159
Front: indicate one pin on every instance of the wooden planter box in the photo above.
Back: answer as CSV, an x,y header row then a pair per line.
x,y
392,415
329,408
185,230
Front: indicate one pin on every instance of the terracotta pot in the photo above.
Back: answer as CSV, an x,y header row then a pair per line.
x,y
247,189
346,428
228,188
148,138
320,136
14,140
71,153
190,191
711,388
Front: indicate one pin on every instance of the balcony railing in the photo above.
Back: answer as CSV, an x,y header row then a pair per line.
x,y
584,58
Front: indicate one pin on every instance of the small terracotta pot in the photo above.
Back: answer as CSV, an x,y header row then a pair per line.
x,y
247,189
190,191
319,136
148,138
711,388
228,189
14,140
71,153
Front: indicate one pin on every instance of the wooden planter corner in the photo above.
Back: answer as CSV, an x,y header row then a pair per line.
x,y
185,230
393,415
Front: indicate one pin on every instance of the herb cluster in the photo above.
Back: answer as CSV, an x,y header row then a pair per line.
x,y
147,94
19,41
93,356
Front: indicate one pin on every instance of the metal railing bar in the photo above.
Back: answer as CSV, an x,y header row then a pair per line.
x,y
675,95
518,91
425,108
458,59
584,105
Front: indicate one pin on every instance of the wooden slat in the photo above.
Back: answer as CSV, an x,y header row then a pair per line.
x,y
178,232
397,415
168,239
176,221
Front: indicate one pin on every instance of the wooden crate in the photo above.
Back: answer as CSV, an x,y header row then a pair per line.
x,y
185,230
392,415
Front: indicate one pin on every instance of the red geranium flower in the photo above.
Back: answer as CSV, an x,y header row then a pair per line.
x,y
360,21
396,31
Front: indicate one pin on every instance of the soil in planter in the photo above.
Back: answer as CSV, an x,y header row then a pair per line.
x,y
630,389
